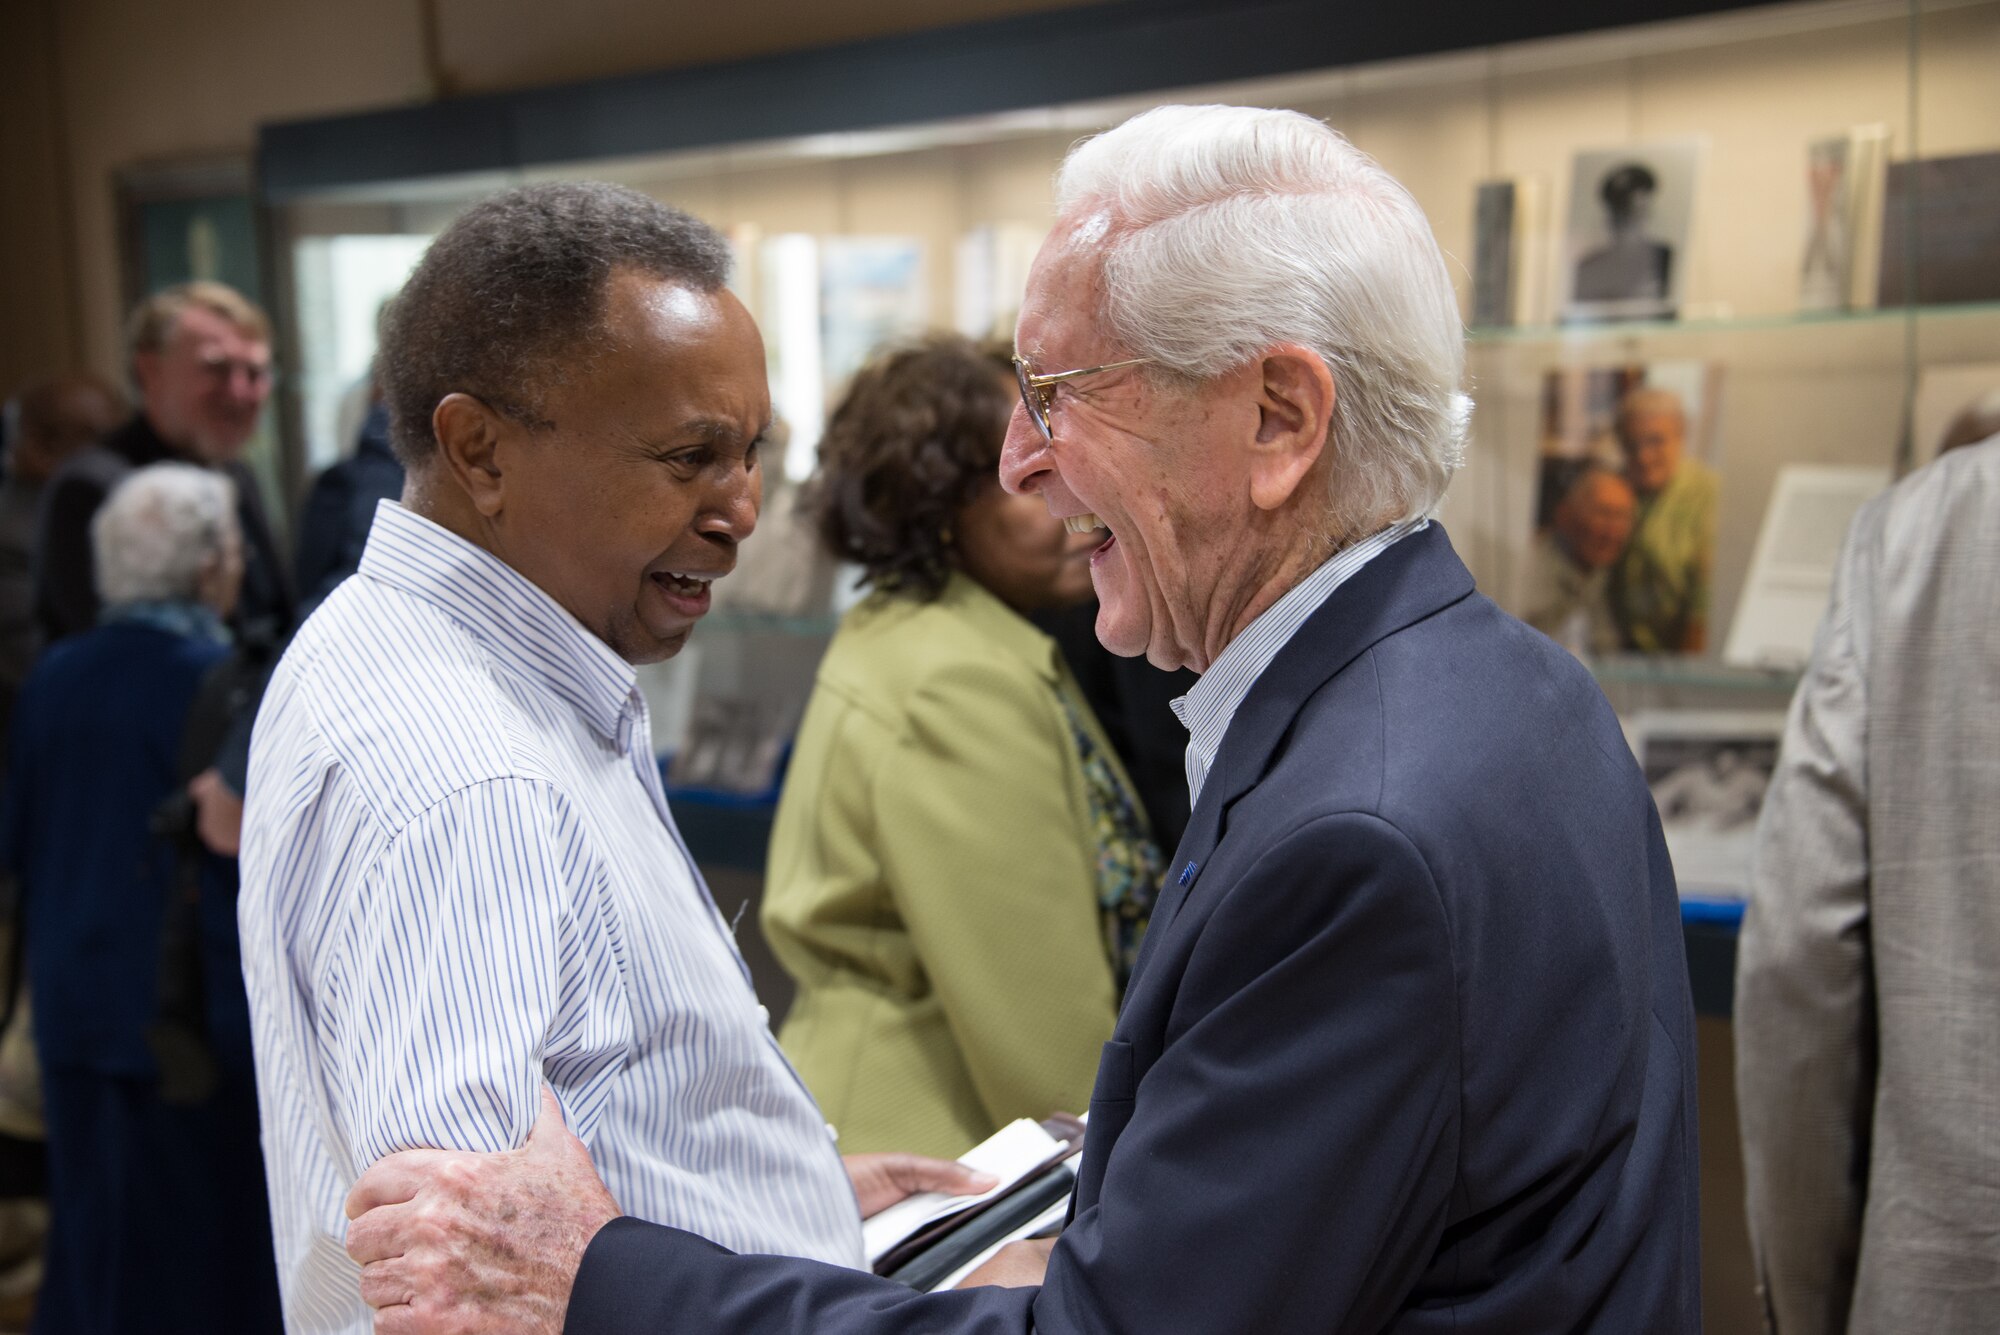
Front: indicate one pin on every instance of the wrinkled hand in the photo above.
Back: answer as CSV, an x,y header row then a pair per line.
x,y
1018,1265
880,1180
452,1242
218,814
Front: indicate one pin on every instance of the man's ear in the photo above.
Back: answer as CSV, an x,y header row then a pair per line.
x,y
468,436
1294,417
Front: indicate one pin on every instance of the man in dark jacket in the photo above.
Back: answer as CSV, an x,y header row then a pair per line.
x,y
340,509
201,357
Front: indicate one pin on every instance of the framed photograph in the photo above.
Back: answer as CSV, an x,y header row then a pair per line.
x,y
1625,508
1708,773
1626,241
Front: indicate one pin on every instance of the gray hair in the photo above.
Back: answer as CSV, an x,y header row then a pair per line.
x,y
159,532
1231,229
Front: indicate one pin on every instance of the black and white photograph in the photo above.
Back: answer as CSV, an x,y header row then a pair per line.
x,y
1627,236
1708,772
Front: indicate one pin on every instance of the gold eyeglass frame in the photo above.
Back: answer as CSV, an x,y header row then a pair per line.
x,y
1033,387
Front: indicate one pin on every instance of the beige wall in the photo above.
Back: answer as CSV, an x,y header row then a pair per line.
x,y
108,84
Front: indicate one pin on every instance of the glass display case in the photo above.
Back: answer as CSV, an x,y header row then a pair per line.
x,y
1771,216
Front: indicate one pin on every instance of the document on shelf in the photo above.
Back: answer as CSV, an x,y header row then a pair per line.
x,y
1791,569
1014,1152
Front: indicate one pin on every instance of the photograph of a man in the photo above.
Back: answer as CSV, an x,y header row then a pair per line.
x,y
1570,565
1628,228
1659,586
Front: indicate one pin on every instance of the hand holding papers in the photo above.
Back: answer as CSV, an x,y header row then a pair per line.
x,y
931,1237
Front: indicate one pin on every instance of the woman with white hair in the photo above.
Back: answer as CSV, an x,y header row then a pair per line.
x,y
155,1180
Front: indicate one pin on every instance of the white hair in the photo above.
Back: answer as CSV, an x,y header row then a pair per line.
x,y
1231,229
161,529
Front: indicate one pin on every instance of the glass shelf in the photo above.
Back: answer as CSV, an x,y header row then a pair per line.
x,y
1644,670
1744,324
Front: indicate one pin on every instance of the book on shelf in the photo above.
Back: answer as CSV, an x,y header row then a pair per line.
x,y
1941,231
1843,240
932,1240
1508,231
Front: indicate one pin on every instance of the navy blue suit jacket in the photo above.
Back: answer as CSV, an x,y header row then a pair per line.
x,y
1411,1051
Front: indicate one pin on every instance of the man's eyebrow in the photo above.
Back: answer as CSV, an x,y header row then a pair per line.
x,y
707,431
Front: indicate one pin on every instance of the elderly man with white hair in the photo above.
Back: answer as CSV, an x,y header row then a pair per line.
x,y
155,1180
1409,1046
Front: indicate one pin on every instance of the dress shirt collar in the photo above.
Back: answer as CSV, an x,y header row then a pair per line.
x,y
1206,710
514,620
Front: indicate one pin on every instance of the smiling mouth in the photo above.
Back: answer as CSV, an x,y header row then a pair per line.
x,y
1090,523
688,594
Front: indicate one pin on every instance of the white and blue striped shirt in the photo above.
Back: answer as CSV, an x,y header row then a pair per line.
x,y
1206,710
460,881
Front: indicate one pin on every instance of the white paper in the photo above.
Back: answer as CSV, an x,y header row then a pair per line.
x,y
1791,568
1010,1154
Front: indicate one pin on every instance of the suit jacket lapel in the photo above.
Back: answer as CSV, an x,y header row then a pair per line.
x,y
1414,578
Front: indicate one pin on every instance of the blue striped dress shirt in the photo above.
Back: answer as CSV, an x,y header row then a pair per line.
x,y
1207,710
460,881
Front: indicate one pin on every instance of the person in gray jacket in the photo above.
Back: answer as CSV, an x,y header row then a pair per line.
x,y
1868,984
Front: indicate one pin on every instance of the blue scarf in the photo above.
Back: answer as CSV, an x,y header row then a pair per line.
x,y
175,616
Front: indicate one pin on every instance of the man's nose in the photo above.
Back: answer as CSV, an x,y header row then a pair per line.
x,y
734,504
248,385
1024,457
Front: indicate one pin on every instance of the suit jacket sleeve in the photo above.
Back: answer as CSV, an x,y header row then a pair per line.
x,y
985,841
1804,1040
1284,1167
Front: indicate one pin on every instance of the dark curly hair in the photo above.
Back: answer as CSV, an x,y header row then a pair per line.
x,y
916,438
510,297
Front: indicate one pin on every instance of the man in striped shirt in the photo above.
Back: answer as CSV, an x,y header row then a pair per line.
x,y
461,879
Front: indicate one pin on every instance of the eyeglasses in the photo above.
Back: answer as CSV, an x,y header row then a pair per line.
x,y
1038,391
226,368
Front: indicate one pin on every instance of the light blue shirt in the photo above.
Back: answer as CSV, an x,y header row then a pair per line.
x,y
1206,710
460,881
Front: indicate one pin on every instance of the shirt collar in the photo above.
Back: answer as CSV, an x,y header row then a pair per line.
x,y
1207,709
515,621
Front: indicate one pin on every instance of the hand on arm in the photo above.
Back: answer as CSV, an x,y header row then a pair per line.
x,y
450,1241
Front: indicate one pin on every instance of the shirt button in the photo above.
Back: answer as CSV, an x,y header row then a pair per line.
x,y
833,1133
764,1015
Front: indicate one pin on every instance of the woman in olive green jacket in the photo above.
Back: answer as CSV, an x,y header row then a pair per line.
x,y
959,871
